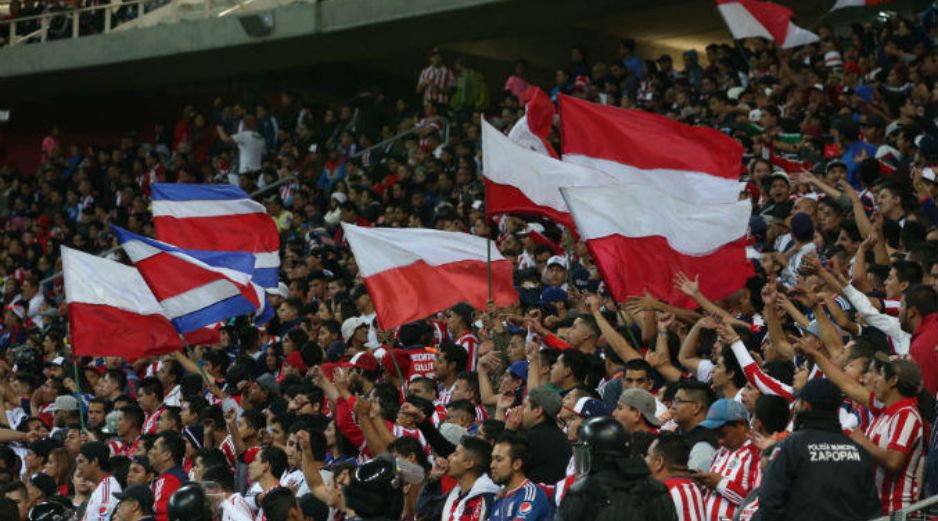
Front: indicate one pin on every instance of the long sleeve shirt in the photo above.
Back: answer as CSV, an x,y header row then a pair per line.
x,y
887,324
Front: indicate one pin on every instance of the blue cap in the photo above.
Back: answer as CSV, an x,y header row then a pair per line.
x,y
519,370
722,412
551,295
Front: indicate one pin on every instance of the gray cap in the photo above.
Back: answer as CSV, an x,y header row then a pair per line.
x,y
66,403
268,383
543,397
642,400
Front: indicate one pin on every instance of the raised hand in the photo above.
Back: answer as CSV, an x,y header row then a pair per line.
x,y
685,285
665,320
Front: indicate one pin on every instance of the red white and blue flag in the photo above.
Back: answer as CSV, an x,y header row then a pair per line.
x,y
218,218
196,288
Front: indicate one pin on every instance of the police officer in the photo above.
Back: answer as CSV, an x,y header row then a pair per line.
x,y
611,483
189,503
818,472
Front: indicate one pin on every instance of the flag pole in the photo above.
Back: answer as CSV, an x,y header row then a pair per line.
x,y
81,413
488,254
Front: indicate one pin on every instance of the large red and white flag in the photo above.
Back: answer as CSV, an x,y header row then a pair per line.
x,y
111,310
858,3
412,273
525,182
533,129
696,164
757,19
640,238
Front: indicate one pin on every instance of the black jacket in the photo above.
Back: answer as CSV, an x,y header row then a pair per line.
x,y
818,473
550,452
620,489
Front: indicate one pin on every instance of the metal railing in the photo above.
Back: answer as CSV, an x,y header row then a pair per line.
x,y
904,514
118,15
253,195
397,137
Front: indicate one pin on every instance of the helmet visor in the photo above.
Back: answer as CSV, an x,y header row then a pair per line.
x,y
581,459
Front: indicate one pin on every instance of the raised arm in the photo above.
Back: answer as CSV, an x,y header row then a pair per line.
x,y
688,356
614,340
848,385
691,288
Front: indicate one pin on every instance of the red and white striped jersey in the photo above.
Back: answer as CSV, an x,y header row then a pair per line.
x,y
688,501
102,502
757,377
235,508
439,415
399,432
438,81
891,306
481,414
444,396
121,448
740,471
151,422
899,427
470,343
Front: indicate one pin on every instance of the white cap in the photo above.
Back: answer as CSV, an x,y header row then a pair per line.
x,y
340,197
351,325
755,115
281,290
928,174
557,259
734,93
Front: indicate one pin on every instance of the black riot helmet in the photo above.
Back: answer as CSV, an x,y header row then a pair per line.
x,y
49,510
600,437
189,503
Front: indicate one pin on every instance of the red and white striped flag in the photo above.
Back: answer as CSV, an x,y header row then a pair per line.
x,y
675,206
412,273
858,3
524,182
757,19
533,129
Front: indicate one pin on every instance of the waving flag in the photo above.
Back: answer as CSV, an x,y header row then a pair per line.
x,y
195,288
522,181
640,238
700,165
412,273
756,19
858,3
533,129
112,312
218,218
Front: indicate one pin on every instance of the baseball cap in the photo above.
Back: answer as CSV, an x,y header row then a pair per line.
x,y
550,295
908,371
928,174
822,394
559,260
780,174
269,383
194,433
139,493
541,396
58,361
44,482
587,407
350,325
834,163
722,412
364,361
66,403
519,370
643,401
281,290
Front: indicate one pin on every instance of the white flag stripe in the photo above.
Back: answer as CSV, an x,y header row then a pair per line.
x,y
209,208
537,175
198,298
694,187
139,251
269,259
642,211
94,280
381,249
796,36
741,22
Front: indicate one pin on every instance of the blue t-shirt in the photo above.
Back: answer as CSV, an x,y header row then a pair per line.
x,y
526,503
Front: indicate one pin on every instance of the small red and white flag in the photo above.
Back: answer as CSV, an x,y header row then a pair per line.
x,y
533,129
111,310
757,19
640,238
412,273
521,181
858,3
696,164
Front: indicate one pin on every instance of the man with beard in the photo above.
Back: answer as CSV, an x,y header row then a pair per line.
x,y
520,499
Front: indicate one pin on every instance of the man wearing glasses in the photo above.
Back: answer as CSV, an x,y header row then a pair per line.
x,y
688,410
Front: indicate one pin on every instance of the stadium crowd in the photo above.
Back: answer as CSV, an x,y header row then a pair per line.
x,y
807,395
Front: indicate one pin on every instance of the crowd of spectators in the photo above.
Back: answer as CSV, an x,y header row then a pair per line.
x,y
809,394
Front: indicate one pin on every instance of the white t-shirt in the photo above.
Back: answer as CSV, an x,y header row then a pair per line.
x,y
250,151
